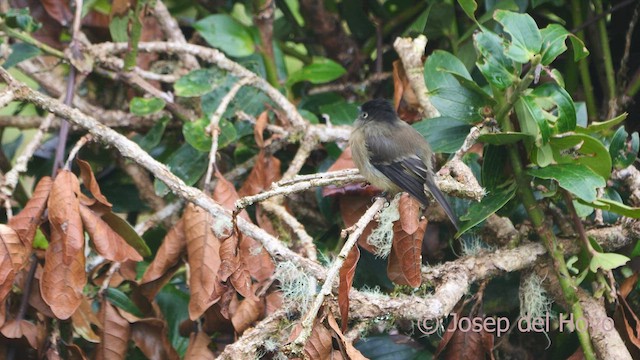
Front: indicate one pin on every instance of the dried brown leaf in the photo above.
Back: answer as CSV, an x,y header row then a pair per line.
x,y
166,262
229,257
108,243
226,195
89,181
409,209
35,296
82,320
352,352
151,337
273,302
115,333
319,345
404,98
264,173
12,257
405,258
63,277
352,207
203,252
14,329
465,345
258,129
64,214
247,313
199,347
59,10
257,260
347,272
27,221
241,281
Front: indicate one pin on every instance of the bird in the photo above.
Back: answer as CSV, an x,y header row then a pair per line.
x,y
393,156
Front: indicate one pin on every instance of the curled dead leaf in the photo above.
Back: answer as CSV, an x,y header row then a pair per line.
x,y
26,222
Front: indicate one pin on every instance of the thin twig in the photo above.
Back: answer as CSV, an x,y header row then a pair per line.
x,y
214,130
74,151
305,239
307,323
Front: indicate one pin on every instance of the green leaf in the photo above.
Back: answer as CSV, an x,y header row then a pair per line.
x,y
340,113
492,202
543,155
469,7
174,305
615,206
577,179
503,138
624,152
195,133
124,229
152,138
199,82
21,19
447,94
600,127
226,33
636,249
526,39
145,106
495,66
579,50
607,261
582,149
21,52
320,71
124,302
444,134
554,37
119,28
532,119
187,163
494,161
558,105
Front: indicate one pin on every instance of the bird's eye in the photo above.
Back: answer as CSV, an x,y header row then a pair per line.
x,y
364,115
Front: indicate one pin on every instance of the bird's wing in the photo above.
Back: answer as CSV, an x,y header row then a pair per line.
x,y
410,173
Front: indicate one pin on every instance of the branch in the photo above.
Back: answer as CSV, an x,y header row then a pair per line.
x,y
102,52
172,31
296,346
410,52
305,239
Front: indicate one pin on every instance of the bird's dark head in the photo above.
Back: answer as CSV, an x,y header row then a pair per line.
x,y
377,110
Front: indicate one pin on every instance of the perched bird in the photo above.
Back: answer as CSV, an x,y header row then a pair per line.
x,y
393,156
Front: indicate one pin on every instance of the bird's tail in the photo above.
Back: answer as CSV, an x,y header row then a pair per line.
x,y
442,200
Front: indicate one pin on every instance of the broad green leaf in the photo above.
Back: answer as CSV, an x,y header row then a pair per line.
x,y
444,134
320,71
123,301
119,28
174,305
152,138
579,180
226,33
388,347
502,138
469,7
582,149
543,155
599,127
124,229
195,133
579,50
554,38
624,152
607,261
526,39
187,163
558,104
532,119
498,69
20,52
494,162
340,113
419,25
636,249
199,82
447,94
21,19
492,202
145,106
614,206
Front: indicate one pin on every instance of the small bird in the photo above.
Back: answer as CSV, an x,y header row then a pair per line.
x,y
393,156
